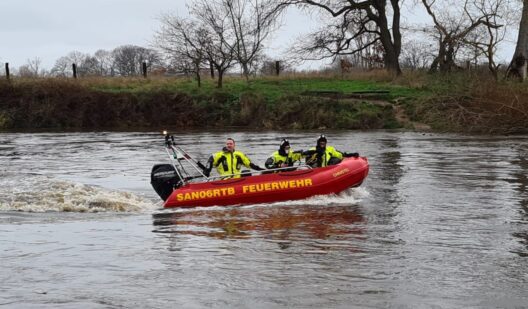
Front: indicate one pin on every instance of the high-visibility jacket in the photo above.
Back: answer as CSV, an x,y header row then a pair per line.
x,y
277,159
329,152
228,163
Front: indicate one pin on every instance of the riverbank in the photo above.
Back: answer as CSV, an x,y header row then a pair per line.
x,y
363,101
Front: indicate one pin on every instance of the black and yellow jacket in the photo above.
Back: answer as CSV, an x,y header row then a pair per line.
x,y
278,158
230,163
319,157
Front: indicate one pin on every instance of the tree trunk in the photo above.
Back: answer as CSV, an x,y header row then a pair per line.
x,y
394,61
392,50
447,59
245,69
220,78
434,65
519,61
391,56
392,64
198,77
491,64
211,67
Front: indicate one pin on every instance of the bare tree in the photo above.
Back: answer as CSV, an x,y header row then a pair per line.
x,y
79,58
519,63
252,21
452,29
31,68
416,55
184,41
485,40
90,67
358,18
63,65
220,42
25,71
129,58
180,64
269,66
352,39
105,62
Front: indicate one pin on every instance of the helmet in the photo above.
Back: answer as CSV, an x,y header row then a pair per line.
x,y
282,149
284,143
322,138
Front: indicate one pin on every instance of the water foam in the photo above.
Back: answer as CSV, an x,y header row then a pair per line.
x,y
348,197
43,194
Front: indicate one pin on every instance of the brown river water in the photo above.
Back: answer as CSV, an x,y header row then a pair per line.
x,y
440,222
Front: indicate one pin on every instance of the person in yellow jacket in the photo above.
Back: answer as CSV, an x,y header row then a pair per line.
x,y
284,157
323,155
229,161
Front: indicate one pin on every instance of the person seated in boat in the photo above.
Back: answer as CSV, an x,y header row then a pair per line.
x,y
284,157
323,155
229,161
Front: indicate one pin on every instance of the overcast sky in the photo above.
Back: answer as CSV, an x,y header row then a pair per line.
x,y
49,29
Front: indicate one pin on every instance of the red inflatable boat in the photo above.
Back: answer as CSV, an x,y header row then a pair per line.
x,y
175,186
269,188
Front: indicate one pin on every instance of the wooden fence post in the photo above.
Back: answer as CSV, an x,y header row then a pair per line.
x,y
144,69
74,68
7,70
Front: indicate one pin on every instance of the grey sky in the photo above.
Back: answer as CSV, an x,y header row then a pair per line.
x,y
49,29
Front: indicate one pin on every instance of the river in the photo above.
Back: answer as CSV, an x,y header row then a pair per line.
x,y
440,222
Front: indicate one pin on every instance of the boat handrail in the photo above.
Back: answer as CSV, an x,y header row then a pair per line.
x,y
271,170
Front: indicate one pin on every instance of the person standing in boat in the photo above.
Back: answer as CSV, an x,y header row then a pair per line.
x,y
229,161
323,155
284,157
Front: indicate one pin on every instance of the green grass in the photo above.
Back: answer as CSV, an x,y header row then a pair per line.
x,y
452,100
271,88
263,102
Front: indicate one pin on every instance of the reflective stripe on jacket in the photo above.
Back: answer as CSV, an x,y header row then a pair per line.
x,y
228,163
330,152
276,159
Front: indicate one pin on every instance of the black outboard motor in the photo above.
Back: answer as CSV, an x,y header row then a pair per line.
x,y
164,179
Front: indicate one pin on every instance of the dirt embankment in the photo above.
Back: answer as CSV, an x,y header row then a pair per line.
x,y
65,104
465,102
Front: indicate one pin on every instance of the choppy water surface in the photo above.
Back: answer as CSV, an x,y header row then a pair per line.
x,y
442,221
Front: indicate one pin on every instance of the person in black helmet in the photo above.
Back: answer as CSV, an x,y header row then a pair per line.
x,y
323,155
284,157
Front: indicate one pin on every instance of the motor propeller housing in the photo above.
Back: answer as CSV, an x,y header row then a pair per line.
x,y
164,179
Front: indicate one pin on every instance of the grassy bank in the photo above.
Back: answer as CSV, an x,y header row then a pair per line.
x,y
461,102
471,102
119,102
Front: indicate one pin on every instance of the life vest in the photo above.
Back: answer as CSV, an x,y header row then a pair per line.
x,y
228,163
329,153
277,159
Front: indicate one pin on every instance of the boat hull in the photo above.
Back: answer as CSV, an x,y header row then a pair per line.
x,y
269,188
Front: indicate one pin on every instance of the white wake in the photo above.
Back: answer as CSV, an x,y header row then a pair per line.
x,y
43,194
